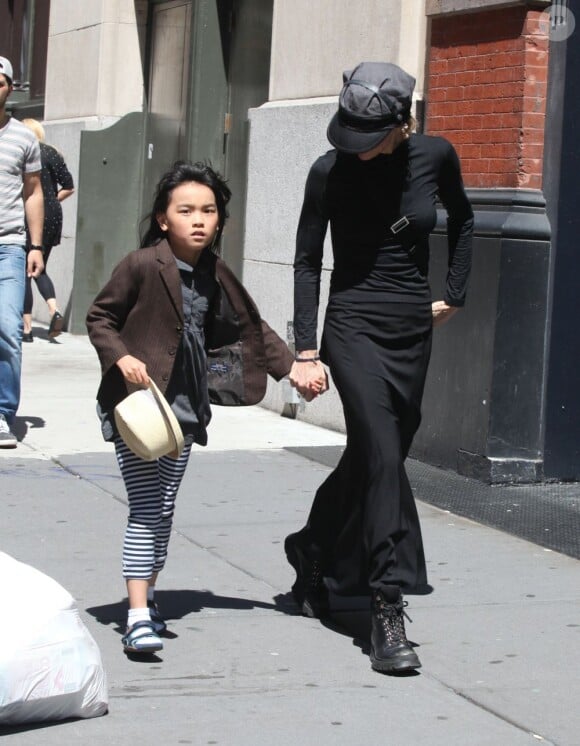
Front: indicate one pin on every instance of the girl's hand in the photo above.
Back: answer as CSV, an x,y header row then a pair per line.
x,y
442,312
133,370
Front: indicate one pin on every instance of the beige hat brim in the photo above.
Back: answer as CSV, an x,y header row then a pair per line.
x,y
148,426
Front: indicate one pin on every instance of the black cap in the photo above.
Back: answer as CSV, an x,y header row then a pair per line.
x,y
375,98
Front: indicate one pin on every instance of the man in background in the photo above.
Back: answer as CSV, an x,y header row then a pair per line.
x,y
20,198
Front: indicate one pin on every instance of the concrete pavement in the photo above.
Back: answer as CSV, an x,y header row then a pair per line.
x,y
499,637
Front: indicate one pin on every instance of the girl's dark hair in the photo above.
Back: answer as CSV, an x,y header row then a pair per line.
x,y
180,173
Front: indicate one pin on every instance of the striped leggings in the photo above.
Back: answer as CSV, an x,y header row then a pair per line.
x,y
151,488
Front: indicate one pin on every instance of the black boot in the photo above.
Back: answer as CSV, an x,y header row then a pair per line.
x,y
309,590
391,652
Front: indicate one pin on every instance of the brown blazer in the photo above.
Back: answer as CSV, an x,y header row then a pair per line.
x,y
139,312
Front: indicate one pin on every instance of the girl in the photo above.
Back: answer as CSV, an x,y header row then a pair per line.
x,y
173,312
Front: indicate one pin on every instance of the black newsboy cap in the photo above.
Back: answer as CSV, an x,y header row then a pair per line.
x,y
375,98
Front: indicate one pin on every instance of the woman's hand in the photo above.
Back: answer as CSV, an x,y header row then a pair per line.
x,y
310,379
133,370
442,312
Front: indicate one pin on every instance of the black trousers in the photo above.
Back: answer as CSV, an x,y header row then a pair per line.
x,y
363,525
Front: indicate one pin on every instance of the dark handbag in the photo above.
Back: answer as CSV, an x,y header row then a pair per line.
x,y
225,378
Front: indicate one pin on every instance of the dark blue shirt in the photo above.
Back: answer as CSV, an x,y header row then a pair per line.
x,y
187,390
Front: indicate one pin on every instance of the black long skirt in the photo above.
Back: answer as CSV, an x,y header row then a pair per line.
x,y
363,525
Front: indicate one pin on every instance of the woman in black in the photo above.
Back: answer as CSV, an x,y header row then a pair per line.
x,y
57,185
378,191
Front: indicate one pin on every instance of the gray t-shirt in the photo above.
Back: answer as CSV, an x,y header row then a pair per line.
x,y
19,155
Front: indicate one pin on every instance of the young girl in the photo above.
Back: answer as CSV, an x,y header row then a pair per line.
x,y
173,312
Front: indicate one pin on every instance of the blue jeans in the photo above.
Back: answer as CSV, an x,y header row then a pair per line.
x,y
12,283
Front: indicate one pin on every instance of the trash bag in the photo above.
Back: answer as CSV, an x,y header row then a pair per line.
x,y
50,665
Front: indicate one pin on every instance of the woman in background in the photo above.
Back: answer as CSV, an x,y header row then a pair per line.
x,y
57,185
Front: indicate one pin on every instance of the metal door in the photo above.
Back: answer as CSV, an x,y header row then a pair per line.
x,y
167,97
248,84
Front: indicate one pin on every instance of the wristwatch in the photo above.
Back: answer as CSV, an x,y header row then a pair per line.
x,y
34,247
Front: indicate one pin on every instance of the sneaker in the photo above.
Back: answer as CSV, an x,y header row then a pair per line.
x,y
56,324
27,337
7,437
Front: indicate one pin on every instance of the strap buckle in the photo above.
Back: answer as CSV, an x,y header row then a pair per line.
x,y
399,225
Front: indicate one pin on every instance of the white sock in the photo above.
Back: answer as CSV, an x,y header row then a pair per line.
x,y
138,615
151,593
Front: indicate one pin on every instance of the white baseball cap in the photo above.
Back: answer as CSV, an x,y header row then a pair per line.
x,y
6,68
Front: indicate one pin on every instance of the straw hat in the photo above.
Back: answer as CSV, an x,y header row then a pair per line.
x,y
148,426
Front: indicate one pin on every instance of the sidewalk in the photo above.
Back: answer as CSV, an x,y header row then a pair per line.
x,y
499,637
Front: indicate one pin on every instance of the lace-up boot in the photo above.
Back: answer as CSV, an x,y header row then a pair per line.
x,y
309,590
391,652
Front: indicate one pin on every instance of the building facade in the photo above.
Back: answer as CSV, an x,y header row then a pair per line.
x,y
132,85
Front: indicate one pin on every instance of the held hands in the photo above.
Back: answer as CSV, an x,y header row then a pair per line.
x,y
133,370
442,312
309,379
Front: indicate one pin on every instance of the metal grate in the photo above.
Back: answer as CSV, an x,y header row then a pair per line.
x,y
546,514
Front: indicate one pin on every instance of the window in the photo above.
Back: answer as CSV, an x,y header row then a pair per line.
x,y
24,40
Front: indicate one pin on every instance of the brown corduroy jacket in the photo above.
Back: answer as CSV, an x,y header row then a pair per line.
x,y
139,312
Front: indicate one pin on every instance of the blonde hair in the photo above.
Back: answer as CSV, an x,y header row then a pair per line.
x,y
36,127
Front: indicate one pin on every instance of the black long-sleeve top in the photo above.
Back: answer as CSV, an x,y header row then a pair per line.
x,y
381,213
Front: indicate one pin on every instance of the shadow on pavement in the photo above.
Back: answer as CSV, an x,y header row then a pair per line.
x,y
176,604
23,423
12,729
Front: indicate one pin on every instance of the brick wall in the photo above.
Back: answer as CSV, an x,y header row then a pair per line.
x,y
486,93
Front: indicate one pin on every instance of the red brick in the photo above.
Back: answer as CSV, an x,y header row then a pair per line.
x,y
535,104
436,67
457,93
437,94
471,151
536,23
473,121
478,62
536,73
533,121
485,107
506,105
459,137
446,80
532,151
536,58
464,107
530,181
465,78
505,135
437,52
509,120
434,123
457,65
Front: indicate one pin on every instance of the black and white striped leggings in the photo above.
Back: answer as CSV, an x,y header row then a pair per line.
x,y
151,488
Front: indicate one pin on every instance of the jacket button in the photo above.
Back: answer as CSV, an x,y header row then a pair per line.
x,y
164,377
179,328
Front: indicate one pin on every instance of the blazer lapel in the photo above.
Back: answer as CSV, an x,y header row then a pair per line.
x,y
170,276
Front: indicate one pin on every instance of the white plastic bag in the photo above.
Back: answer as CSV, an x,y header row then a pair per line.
x,y
50,665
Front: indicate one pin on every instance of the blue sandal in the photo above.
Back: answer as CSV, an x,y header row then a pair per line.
x,y
158,622
142,638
